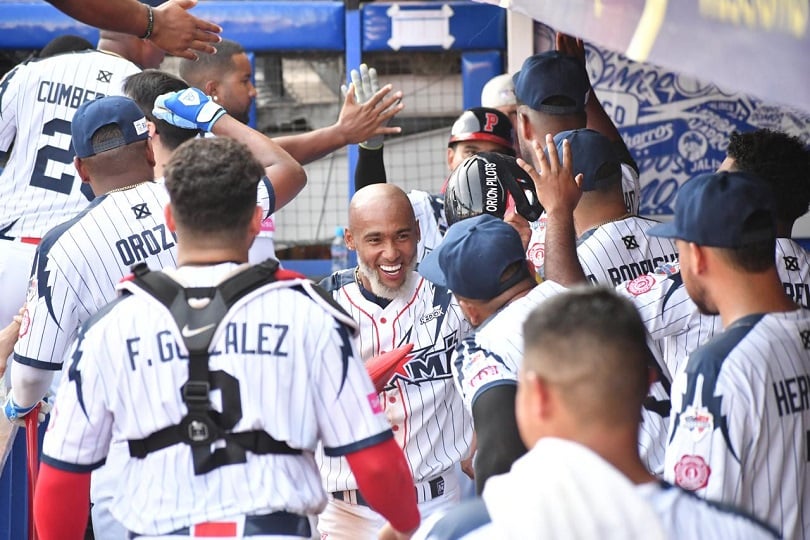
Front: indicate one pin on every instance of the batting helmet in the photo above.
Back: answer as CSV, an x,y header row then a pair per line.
x,y
483,124
490,183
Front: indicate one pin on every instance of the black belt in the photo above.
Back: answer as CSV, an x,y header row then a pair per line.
x,y
353,496
279,523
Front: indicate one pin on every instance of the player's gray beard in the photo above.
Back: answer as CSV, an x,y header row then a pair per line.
x,y
382,290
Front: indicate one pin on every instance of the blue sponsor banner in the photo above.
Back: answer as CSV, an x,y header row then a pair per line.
x,y
675,126
433,26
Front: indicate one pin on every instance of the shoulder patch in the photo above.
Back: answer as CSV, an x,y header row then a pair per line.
x,y
692,473
640,285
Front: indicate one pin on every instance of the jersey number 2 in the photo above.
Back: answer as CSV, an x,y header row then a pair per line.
x,y
63,184
206,460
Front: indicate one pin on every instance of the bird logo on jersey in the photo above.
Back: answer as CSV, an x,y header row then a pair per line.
x,y
426,364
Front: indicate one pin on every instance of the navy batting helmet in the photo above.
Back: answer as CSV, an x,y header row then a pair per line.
x,y
483,124
490,183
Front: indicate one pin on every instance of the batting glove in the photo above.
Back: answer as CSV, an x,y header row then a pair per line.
x,y
365,86
16,414
189,109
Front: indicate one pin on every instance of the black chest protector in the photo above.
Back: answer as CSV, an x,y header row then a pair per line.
x,y
202,426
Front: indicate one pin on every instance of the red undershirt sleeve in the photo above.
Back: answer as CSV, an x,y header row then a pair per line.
x,y
59,516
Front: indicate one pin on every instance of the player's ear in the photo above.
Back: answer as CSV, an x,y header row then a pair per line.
x,y
167,213
256,221
523,125
152,127
210,89
81,169
348,238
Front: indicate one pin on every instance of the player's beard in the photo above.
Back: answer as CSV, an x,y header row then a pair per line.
x,y
382,290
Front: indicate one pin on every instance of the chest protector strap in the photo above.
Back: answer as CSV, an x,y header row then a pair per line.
x,y
202,425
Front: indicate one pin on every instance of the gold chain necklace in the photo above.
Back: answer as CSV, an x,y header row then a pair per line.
x,y
125,188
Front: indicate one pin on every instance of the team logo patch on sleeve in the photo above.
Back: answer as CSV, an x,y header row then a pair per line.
x,y
536,254
374,402
640,285
698,421
692,473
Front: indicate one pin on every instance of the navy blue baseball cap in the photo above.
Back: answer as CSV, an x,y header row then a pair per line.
x,y
724,209
593,156
472,257
94,114
553,83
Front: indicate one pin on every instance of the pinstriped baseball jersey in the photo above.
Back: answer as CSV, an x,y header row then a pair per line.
x,y
621,250
740,427
493,354
536,251
79,263
429,212
39,188
673,320
420,402
292,371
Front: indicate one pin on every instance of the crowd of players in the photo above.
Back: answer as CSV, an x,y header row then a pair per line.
x,y
595,373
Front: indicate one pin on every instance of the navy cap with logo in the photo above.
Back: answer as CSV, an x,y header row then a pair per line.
x,y
154,3
593,155
553,83
94,114
473,256
724,210
483,124
490,183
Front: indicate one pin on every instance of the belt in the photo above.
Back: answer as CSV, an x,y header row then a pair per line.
x,y
425,491
277,523
23,239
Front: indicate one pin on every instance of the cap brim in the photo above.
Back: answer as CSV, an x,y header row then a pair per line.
x,y
430,270
665,230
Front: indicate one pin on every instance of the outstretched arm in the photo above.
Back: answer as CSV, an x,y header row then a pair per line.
x,y
174,29
359,120
192,109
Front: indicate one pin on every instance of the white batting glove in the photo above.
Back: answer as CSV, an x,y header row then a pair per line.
x,y
365,86
16,414
190,109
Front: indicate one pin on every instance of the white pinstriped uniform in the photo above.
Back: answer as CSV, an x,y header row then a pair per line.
x,y
425,411
536,251
621,250
298,378
493,354
38,187
79,263
673,320
740,426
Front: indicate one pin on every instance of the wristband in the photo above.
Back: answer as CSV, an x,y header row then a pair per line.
x,y
150,22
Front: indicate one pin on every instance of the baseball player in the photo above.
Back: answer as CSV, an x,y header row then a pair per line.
x,y
671,317
171,27
227,77
39,188
482,260
393,306
198,357
79,262
584,376
739,423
